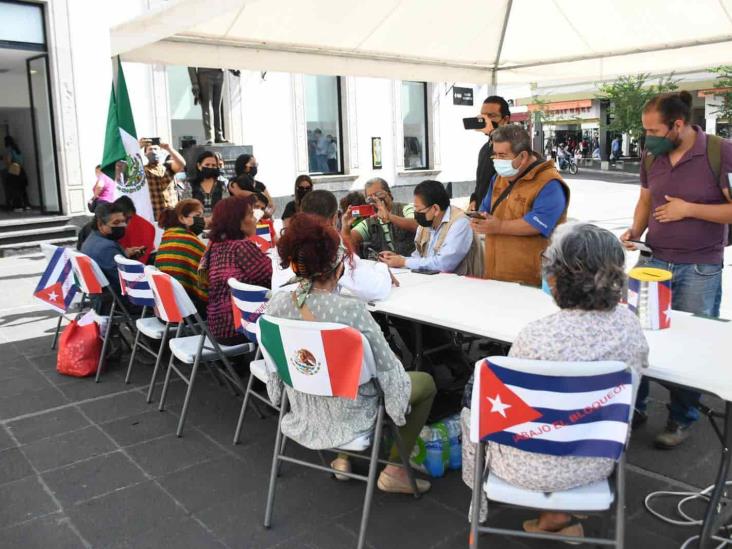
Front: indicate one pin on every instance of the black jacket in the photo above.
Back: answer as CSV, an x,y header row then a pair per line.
x,y
483,174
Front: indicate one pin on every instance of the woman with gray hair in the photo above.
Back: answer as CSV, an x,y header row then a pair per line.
x,y
584,270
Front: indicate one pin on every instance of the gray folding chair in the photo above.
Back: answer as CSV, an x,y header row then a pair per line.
x,y
597,498
175,306
248,303
343,337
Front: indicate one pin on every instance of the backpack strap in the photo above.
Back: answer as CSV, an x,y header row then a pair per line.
x,y
714,155
648,161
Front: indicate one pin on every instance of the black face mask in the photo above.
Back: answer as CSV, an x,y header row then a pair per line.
x,y
421,219
117,233
302,191
199,223
253,171
209,173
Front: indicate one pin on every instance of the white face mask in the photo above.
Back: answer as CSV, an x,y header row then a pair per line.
x,y
504,168
258,214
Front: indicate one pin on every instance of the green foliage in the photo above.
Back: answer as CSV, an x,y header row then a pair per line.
x,y
724,80
627,96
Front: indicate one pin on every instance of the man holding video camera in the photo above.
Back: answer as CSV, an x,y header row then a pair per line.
x,y
391,226
494,112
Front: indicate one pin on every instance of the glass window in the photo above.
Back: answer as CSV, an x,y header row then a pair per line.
x,y
414,120
323,122
21,23
185,114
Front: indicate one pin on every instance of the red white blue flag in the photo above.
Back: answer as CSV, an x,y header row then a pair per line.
x,y
263,237
560,415
56,288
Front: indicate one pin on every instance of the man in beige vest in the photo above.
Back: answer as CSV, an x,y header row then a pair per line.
x,y
526,200
444,241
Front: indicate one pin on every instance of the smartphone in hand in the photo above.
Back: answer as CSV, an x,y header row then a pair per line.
x,y
641,246
476,215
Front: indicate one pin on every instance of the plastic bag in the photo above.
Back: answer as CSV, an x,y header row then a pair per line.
x,y
79,348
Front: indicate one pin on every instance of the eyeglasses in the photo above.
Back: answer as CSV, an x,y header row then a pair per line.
x,y
423,210
305,188
380,195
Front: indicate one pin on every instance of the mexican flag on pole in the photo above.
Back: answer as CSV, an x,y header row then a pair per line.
x,y
316,361
121,146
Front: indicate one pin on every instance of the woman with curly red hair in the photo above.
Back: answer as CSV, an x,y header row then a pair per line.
x,y
317,255
231,255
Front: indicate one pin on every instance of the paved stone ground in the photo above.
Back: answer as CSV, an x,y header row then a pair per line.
x,y
93,465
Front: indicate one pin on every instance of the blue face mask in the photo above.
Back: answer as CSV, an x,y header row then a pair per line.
x,y
504,168
545,286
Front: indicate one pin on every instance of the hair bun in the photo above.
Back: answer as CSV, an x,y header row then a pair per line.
x,y
686,97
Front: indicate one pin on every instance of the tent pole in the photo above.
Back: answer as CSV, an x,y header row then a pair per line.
x,y
494,72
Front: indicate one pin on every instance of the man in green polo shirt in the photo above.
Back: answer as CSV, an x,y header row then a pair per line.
x,y
392,228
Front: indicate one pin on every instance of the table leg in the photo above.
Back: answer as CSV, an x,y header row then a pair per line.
x,y
718,511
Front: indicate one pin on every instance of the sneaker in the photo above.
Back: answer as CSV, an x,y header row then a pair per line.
x,y
639,419
674,435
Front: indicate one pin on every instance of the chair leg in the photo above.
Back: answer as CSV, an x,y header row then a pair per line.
x,y
184,410
166,382
55,335
477,487
282,453
405,459
107,334
240,423
132,357
158,360
275,460
620,505
378,431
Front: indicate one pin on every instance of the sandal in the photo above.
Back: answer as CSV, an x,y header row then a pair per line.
x,y
573,528
388,483
341,464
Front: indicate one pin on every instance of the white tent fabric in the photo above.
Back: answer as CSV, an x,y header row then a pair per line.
x,y
513,41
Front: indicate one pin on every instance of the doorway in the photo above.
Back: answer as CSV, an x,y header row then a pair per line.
x,y
28,162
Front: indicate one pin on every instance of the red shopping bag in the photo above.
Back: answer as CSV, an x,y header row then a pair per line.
x,y
79,349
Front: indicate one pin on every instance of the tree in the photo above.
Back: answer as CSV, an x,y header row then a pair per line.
x,y
724,81
627,96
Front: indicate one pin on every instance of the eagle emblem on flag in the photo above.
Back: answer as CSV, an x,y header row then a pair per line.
x,y
305,362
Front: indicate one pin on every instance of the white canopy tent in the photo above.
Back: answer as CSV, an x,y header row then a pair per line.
x,y
480,41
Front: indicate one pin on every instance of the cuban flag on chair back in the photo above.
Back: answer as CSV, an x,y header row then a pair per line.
x,y
318,358
263,237
56,287
133,283
248,302
583,412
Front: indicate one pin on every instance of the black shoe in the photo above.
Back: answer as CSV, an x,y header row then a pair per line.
x,y
674,435
639,419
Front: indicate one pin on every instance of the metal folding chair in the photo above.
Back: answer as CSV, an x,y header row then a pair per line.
x,y
135,287
48,251
174,305
343,337
93,282
248,303
597,498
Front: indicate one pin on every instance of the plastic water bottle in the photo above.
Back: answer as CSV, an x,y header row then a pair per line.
x,y
454,433
434,463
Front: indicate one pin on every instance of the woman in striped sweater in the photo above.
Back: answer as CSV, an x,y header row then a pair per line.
x,y
181,250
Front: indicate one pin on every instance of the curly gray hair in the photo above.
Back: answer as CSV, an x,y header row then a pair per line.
x,y
588,267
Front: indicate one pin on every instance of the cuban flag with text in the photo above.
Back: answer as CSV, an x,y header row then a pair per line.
x,y
56,288
560,415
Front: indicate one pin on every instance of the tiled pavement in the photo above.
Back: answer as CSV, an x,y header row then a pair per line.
x,y
93,465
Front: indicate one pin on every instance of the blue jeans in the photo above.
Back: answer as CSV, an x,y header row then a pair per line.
x,y
696,288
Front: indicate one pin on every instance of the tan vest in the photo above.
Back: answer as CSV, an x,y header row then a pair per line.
x,y
472,263
518,258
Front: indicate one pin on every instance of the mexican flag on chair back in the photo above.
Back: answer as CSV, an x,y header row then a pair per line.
x,y
325,362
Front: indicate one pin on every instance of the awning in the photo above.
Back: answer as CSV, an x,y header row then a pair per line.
x,y
514,41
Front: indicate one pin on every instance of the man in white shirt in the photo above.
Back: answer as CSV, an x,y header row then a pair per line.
x,y
367,280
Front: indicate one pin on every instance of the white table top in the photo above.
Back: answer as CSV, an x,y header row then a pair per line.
x,y
693,352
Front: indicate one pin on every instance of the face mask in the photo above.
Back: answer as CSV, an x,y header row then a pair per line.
x,y
504,168
258,214
199,223
545,286
154,157
253,171
421,219
302,191
117,233
659,145
210,173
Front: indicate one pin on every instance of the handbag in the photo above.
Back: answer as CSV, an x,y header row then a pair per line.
x,y
79,349
203,280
